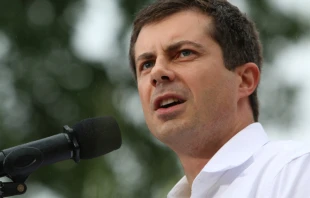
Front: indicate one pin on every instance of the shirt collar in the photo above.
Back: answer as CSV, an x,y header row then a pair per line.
x,y
181,189
238,149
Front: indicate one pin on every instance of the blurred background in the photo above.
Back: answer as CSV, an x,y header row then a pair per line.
x,y
64,61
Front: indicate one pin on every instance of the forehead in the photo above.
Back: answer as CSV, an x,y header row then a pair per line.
x,y
185,25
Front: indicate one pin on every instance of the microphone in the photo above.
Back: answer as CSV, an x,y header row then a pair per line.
x,y
87,139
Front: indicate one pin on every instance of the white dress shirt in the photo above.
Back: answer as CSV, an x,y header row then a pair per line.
x,y
251,166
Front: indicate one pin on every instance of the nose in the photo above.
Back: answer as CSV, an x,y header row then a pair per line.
x,y
161,73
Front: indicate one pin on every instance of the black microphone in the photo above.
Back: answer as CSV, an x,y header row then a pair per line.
x,y
87,139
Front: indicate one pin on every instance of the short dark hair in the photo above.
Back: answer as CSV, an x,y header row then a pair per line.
x,y
233,31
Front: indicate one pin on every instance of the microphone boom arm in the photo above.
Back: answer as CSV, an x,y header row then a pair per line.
x,y
14,164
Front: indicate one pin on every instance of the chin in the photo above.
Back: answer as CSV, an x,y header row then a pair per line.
x,y
168,136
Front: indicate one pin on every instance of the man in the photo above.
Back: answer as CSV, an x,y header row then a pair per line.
x,y
197,64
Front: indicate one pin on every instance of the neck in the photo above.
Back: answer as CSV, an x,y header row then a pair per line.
x,y
192,167
202,148
195,161
193,164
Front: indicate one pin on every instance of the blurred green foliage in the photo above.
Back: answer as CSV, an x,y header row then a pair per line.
x,y
44,85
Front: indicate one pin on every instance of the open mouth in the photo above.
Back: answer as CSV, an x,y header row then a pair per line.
x,y
169,103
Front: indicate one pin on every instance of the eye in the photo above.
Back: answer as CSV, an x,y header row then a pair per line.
x,y
185,53
147,64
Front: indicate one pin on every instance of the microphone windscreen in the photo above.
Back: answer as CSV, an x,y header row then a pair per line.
x,y
97,136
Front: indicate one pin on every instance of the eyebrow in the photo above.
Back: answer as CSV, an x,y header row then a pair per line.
x,y
178,45
170,48
145,56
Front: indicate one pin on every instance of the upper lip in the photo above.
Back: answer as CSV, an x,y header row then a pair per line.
x,y
159,99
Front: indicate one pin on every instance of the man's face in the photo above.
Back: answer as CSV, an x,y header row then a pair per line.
x,y
185,90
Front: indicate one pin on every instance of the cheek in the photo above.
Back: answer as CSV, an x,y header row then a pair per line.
x,y
144,98
212,91
206,85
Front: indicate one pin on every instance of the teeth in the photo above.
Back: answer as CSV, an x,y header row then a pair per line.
x,y
168,101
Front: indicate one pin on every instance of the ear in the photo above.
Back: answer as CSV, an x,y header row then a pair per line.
x,y
249,76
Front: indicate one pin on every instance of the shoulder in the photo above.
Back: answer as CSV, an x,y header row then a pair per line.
x,y
284,151
273,156
289,168
276,155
